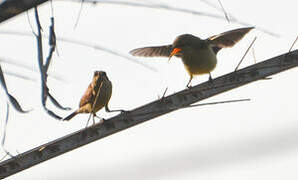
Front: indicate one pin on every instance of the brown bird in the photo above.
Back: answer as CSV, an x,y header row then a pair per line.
x,y
96,97
198,55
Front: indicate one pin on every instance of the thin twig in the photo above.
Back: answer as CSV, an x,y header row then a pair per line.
x,y
4,133
28,67
245,53
254,54
29,22
176,9
218,102
52,43
5,125
95,100
79,15
13,74
163,95
10,98
293,44
88,44
224,11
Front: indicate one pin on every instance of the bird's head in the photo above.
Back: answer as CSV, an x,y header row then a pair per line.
x,y
99,75
183,43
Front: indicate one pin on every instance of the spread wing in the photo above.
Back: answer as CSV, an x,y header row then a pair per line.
x,y
154,51
229,38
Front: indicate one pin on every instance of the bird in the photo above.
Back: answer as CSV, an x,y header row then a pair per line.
x,y
96,97
198,55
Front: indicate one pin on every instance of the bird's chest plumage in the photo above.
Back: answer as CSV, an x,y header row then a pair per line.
x,y
199,60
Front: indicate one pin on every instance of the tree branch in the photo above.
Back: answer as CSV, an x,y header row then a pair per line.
x,y
11,8
149,111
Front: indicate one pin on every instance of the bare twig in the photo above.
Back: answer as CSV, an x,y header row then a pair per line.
x,y
293,44
163,95
17,63
213,103
149,111
95,101
4,134
10,98
30,24
177,9
79,15
254,54
5,125
43,71
87,44
52,43
245,53
224,11
19,76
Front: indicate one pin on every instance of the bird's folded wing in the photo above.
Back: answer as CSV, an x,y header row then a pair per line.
x,y
88,96
154,51
229,38
91,93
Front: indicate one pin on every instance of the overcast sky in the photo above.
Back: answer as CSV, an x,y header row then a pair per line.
x,y
247,140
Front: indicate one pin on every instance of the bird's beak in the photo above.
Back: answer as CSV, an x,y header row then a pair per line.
x,y
174,52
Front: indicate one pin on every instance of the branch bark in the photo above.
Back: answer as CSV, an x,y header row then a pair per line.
x,y
149,111
11,8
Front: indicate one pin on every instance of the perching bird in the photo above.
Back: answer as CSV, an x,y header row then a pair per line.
x,y
96,97
198,55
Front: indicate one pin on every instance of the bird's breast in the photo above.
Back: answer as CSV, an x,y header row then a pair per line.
x,y
199,61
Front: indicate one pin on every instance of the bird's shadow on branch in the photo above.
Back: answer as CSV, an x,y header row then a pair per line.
x,y
197,158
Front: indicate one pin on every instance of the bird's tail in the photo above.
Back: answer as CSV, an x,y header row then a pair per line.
x,y
67,118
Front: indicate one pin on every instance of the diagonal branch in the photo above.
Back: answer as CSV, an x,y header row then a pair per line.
x,y
11,8
149,111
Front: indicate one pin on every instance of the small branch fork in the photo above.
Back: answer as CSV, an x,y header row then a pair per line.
x,y
44,68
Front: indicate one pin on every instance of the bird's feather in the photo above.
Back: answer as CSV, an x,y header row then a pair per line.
x,y
154,51
229,38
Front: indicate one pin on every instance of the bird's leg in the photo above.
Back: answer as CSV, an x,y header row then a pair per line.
x,y
116,110
189,86
210,77
89,119
101,120
94,115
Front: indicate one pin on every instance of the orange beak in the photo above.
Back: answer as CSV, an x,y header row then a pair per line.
x,y
174,52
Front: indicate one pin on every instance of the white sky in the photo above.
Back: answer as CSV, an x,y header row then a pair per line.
x,y
249,140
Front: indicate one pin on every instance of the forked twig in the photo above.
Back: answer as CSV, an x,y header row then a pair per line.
x,y
43,68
